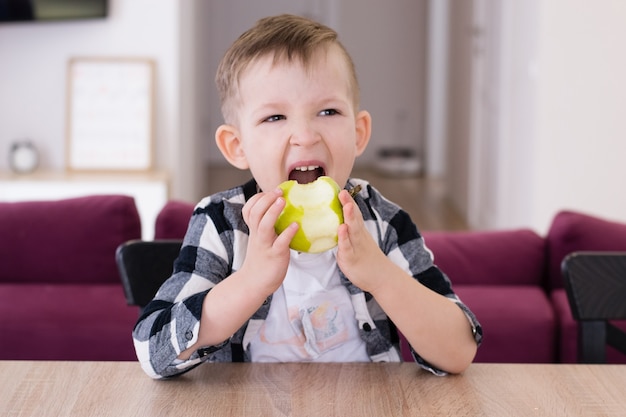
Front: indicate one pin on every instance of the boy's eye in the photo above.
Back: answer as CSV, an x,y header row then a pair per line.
x,y
328,112
275,118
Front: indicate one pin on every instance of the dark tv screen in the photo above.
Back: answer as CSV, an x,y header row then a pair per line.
x,y
51,10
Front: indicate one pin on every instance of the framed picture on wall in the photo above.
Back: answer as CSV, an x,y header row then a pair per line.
x,y
110,114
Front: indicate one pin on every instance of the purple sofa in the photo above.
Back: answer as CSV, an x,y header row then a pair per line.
x,y
61,296
500,276
571,232
511,279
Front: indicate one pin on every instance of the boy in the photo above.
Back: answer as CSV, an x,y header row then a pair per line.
x,y
290,101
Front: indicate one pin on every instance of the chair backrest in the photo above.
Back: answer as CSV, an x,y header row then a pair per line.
x,y
144,266
596,289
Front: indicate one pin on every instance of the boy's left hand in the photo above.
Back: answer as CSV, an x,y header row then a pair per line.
x,y
434,326
358,255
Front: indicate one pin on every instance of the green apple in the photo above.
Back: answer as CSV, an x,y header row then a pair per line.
x,y
316,208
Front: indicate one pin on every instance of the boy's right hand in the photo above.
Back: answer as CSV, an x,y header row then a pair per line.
x,y
267,256
234,300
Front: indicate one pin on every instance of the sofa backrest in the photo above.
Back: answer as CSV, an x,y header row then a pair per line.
x,y
573,231
504,257
172,220
65,241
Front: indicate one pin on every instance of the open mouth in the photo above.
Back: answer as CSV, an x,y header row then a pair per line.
x,y
306,174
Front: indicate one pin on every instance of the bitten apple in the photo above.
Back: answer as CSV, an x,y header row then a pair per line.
x,y
316,208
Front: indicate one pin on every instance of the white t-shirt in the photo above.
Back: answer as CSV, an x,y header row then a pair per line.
x,y
311,317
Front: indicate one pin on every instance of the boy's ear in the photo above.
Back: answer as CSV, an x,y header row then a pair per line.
x,y
363,131
229,143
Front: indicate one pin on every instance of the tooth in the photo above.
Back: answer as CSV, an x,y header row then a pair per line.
x,y
307,168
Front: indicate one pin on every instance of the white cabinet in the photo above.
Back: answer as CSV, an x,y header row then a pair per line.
x,y
150,190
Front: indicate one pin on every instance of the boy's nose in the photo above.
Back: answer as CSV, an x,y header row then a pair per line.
x,y
303,134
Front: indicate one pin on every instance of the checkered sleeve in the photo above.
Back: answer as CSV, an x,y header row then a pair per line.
x,y
170,322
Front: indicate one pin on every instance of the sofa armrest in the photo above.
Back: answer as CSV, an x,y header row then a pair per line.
x,y
571,231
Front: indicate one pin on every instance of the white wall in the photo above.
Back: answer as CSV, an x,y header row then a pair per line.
x,y
580,143
33,66
502,75
558,128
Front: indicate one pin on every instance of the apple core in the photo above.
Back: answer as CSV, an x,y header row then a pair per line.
x,y
316,208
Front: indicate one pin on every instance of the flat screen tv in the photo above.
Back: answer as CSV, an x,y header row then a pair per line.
x,y
51,10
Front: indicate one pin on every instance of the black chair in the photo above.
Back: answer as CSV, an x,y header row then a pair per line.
x,y
144,266
596,289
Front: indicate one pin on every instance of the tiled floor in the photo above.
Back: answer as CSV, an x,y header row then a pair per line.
x,y
424,199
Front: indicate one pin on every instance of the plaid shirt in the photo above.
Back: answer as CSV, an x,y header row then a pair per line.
x,y
215,246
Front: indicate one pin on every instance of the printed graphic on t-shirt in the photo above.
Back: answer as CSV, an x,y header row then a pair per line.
x,y
317,330
311,317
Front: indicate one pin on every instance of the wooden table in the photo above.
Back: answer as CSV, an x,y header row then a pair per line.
x,y
31,388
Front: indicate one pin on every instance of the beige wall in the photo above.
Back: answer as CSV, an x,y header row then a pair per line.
x,y
387,42
186,39
459,104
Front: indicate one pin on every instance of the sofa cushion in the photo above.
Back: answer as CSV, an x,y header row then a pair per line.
x,y
65,322
572,231
172,220
518,322
568,330
65,241
507,257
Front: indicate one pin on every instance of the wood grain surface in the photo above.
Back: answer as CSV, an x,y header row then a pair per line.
x,y
30,388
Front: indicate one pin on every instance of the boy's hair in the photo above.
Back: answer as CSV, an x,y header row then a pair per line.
x,y
286,37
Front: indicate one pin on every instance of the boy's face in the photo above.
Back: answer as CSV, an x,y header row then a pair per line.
x,y
294,122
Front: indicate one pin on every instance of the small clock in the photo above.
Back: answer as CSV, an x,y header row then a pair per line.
x,y
23,157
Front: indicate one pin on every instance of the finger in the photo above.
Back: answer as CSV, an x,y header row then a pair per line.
x,y
272,213
346,251
284,239
344,197
346,230
343,238
351,215
258,205
245,211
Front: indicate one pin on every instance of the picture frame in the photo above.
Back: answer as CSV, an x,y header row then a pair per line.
x,y
110,114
